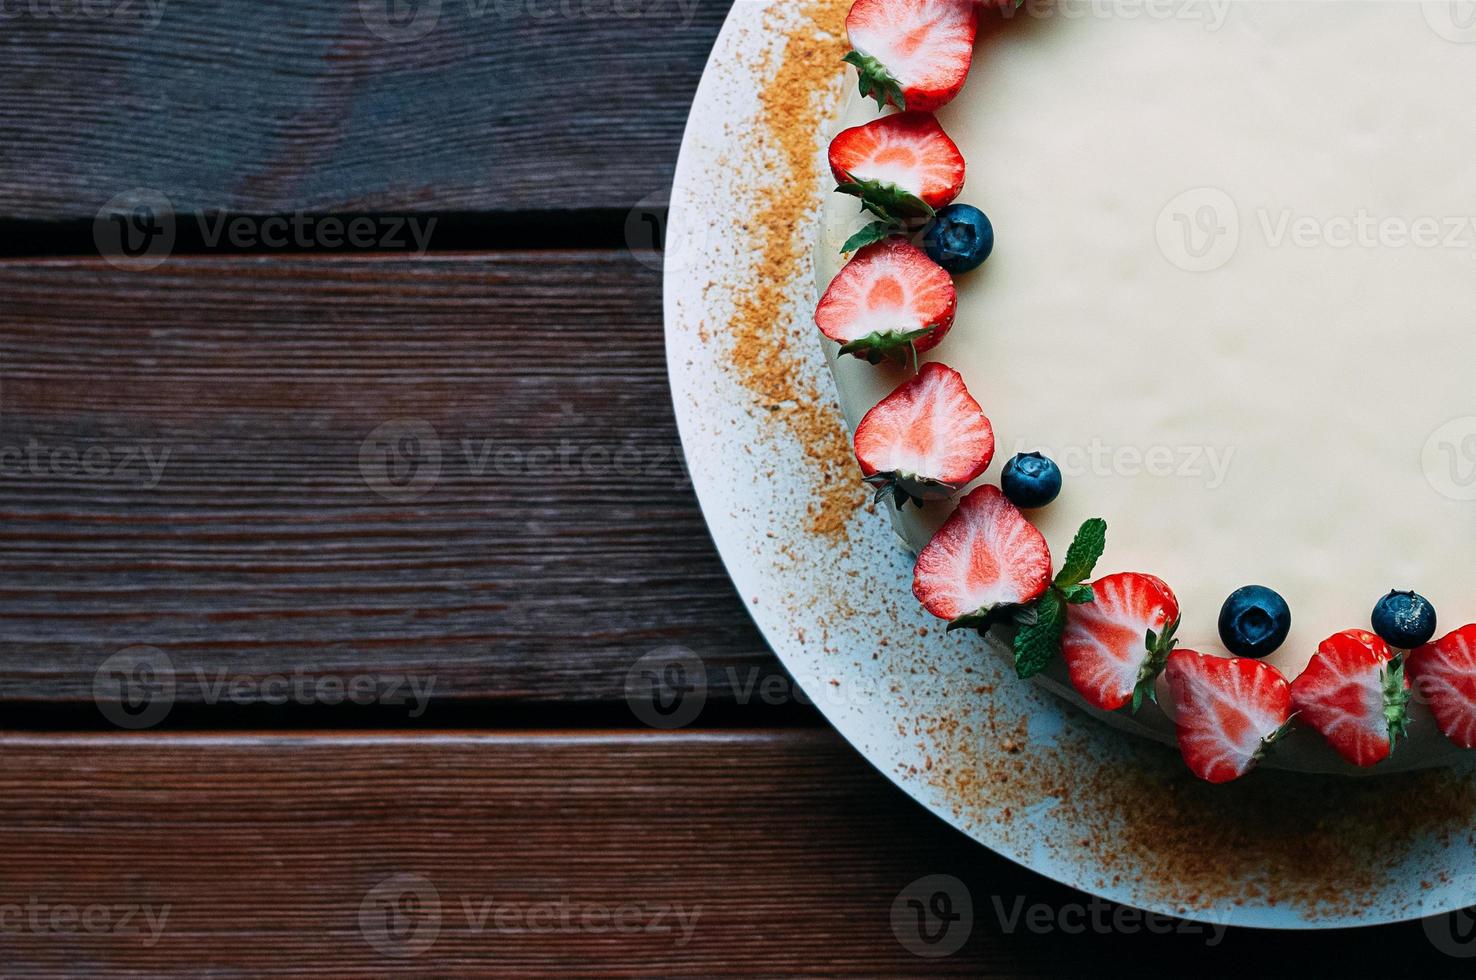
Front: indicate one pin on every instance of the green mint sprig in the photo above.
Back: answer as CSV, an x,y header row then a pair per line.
x,y
877,231
1041,624
874,232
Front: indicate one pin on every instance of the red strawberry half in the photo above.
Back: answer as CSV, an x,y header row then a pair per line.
x,y
1444,675
924,440
901,166
1355,693
984,559
1227,710
914,54
1116,645
891,300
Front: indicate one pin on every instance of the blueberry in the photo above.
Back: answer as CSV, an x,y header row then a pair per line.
x,y
1254,621
959,238
1404,619
1030,480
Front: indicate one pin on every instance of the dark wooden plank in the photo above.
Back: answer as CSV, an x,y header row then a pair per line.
x,y
557,543
257,855
286,105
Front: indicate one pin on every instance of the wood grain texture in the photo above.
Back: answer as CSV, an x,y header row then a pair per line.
x,y
333,105
554,542
258,854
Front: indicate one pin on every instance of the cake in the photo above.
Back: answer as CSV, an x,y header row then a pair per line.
x,y
1228,307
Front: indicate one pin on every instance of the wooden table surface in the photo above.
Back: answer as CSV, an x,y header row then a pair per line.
x,y
327,562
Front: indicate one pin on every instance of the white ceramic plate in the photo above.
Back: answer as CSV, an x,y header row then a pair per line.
x,y
1005,763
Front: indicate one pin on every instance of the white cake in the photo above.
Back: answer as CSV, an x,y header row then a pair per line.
x,y
1233,296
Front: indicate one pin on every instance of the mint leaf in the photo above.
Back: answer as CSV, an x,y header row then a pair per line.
x,y
1038,643
1039,639
1078,594
872,233
1081,557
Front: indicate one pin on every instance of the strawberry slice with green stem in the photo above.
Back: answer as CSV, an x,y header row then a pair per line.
x,y
903,167
1355,692
889,301
1116,646
925,440
913,54
984,561
1227,712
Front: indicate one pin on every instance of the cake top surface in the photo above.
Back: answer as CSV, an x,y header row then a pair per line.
x,y
1236,262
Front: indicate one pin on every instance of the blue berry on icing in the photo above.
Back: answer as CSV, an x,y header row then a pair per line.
x,y
1254,621
1030,480
1404,620
959,238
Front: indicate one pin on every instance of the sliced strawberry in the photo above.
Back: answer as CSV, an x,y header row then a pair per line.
x,y
924,440
986,558
891,300
1227,710
1355,693
1116,645
1444,676
901,166
914,54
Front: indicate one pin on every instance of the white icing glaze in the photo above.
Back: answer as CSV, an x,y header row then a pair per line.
x,y
1272,407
